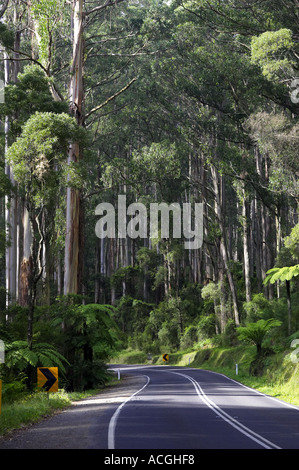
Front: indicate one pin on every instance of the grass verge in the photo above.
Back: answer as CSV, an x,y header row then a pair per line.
x,y
36,406
279,378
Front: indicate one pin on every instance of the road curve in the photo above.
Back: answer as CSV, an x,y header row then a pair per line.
x,y
184,408
164,407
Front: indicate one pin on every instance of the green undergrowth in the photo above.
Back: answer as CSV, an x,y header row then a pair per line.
x,y
278,377
31,409
34,407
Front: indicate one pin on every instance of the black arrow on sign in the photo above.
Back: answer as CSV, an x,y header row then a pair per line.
x,y
165,357
51,379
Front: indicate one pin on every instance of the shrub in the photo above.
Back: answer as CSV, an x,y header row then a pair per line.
x,y
206,327
255,332
189,337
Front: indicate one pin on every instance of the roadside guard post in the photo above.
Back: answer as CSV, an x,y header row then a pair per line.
x,y
0,394
2,352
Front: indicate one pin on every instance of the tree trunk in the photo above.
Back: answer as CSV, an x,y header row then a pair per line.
x,y
74,219
26,263
10,217
223,245
288,288
246,259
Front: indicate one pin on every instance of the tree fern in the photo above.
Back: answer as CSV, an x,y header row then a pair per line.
x,y
19,356
255,332
286,273
281,274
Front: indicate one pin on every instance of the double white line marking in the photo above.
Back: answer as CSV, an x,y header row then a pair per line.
x,y
215,408
229,419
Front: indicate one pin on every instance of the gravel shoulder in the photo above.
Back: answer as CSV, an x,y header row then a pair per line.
x,y
84,425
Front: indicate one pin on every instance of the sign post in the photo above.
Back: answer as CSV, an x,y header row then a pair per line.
x,y
2,352
0,395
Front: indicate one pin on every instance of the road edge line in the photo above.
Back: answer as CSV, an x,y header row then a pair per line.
x,y
113,420
229,419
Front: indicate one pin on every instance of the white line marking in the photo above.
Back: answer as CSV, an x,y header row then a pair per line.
x,y
229,419
281,402
112,424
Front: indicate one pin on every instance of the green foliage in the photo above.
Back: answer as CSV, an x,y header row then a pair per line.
x,y
88,338
79,340
292,241
189,337
165,325
210,94
14,391
281,274
207,327
211,291
90,324
6,36
277,136
229,336
159,159
268,50
127,274
29,95
284,258
48,15
5,183
41,151
169,335
18,356
255,333
192,302
259,307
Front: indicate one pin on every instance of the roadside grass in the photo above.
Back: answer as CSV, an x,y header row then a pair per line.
x,y
31,409
34,407
280,377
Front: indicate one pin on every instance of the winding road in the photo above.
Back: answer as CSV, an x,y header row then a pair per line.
x,y
164,407
182,408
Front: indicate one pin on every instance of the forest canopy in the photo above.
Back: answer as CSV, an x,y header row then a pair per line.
x,y
183,103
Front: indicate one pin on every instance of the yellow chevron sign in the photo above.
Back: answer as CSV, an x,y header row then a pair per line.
x,y
165,357
47,378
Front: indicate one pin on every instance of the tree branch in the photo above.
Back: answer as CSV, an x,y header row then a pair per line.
x,y
108,3
4,8
110,98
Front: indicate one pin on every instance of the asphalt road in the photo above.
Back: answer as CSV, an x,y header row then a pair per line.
x,y
164,407
182,408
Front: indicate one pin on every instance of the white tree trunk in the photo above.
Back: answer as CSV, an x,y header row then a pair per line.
x,y
223,244
72,269
246,259
10,218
